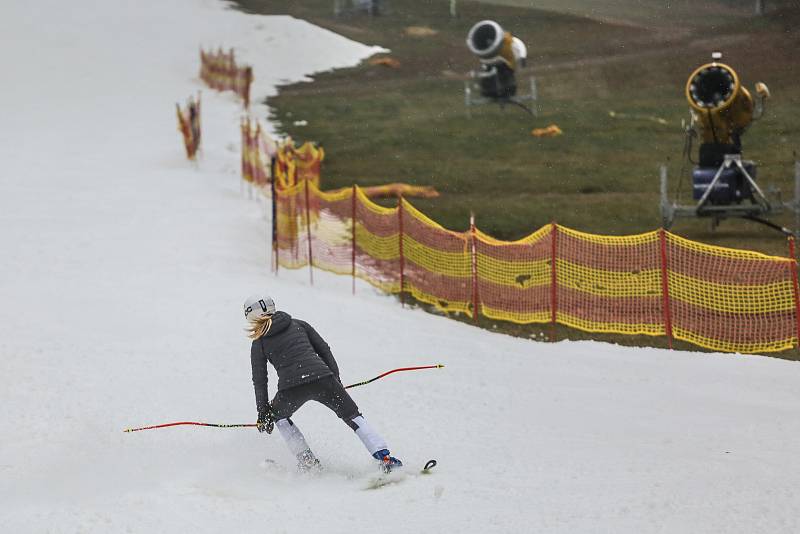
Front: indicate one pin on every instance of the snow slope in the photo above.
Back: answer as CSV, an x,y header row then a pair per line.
x,y
122,276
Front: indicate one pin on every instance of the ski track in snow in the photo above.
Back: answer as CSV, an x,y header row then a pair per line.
x,y
123,272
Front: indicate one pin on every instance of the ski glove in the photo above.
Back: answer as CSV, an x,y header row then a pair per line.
x,y
265,422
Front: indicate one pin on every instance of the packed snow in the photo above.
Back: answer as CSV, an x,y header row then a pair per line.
x,y
122,275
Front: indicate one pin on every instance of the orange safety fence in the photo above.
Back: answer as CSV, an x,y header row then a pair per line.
x,y
189,125
294,164
395,190
257,151
220,71
732,300
308,161
656,283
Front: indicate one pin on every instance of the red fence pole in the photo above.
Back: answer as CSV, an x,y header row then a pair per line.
x,y
402,256
553,281
308,233
272,188
474,254
255,151
198,125
244,127
667,311
231,73
353,240
795,288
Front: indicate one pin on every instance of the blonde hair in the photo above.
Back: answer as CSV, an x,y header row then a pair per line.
x,y
259,327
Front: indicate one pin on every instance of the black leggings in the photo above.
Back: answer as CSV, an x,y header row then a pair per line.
x,y
327,391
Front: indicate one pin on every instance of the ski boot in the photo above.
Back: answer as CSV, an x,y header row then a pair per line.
x,y
388,462
308,463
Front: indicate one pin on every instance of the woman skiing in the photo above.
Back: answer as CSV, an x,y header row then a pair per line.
x,y
306,371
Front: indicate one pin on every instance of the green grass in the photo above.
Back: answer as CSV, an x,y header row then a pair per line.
x,y
649,13
409,124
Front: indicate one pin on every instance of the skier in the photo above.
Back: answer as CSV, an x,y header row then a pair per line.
x,y
306,371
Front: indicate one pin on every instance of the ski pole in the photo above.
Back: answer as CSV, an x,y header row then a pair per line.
x,y
245,425
437,366
189,423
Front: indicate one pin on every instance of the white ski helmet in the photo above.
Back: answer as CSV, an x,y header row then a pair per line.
x,y
258,306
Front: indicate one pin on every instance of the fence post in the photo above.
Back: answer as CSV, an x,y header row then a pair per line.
x,y
231,73
553,280
797,198
402,256
308,233
245,129
795,288
256,156
353,240
662,238
474,257
274,213
199,125
534,97
248,79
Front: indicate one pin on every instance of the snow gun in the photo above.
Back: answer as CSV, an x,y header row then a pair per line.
x,y
723,183
244,425
500,55
721,109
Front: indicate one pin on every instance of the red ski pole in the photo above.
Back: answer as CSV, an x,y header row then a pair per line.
x,y
437,366
244,425
188,423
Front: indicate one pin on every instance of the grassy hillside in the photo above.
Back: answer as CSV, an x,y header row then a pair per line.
x,y
409,124
381,124
647,13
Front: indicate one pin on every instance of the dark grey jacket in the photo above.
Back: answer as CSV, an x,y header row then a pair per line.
x,y
295,350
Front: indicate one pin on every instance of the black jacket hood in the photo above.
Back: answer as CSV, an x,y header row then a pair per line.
x,y
280,322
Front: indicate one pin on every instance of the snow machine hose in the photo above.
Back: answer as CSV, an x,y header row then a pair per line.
x,y
243,425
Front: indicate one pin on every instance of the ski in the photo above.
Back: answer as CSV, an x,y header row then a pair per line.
x,y
384,479
430,464
398,475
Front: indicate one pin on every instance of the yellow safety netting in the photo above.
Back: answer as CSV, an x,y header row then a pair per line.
x,y
654,283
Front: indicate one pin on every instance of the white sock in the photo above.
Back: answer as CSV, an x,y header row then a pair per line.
x,y
293,437
368,436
